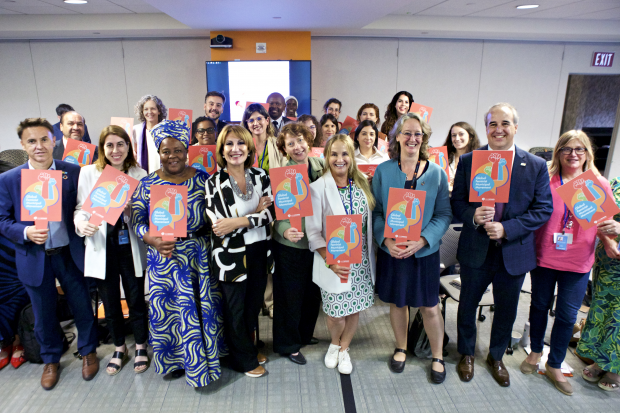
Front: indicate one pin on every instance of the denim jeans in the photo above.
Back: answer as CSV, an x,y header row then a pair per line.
x,y
571,290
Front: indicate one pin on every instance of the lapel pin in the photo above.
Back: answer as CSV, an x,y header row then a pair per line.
x,y
422,183
523,164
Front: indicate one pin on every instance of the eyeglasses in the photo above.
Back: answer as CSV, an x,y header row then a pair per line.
x,y
567,151
256,119
203,131
409,134
312,127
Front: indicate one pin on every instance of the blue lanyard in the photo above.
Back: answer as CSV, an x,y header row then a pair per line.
x,y
566,213
350,200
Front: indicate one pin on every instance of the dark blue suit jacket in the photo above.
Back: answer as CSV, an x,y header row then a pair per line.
x,y
58,133
529,206
30,257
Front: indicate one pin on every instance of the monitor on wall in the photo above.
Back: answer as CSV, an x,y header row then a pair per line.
x,y
254,80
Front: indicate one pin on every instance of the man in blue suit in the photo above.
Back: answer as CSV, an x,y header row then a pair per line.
x,y
61,110
42,256
497,243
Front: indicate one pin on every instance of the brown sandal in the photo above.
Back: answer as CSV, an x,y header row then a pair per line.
x,y
614,384
596,372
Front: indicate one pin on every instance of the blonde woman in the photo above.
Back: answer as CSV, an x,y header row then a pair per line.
x,y
568,268
342,189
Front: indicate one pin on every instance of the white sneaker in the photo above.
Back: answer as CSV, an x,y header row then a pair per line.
x,y
344,362
331,357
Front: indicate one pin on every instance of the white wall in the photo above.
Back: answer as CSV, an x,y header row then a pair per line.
x,y
100,79
458,79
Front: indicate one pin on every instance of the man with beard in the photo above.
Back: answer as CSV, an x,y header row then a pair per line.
x,y
214,106
276,108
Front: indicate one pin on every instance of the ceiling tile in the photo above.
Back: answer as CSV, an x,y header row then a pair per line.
x,y
418,6
5,11
40,8
461,7
549,9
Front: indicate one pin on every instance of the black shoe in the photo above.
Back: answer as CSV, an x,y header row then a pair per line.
x,y
137,366
313,341
178,373
438,377
397,366
298,359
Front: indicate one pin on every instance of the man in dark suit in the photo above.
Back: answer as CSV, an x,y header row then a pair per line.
x,y
72,127
276,108
60,110
42,256
214,106
497,243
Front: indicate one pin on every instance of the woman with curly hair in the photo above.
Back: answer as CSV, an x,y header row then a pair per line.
x,y
400,105
150,110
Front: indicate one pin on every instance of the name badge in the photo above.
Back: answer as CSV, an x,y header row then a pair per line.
x,y
561,242
123,237
569,237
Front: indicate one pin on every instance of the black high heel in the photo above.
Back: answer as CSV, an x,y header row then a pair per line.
x,y
436,376
397,366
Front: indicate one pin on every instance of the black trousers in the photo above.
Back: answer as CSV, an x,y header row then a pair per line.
x,y
506,291
298,298
242,303
44,299
119,268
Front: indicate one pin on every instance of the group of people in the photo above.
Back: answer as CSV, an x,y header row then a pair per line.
x,y
207,289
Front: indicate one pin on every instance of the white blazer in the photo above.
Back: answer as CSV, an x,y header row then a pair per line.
x,y
326,201
95,258
154,161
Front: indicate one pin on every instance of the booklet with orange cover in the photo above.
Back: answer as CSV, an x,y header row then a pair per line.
x,y
125,123
368,169
41,196
168,211
382,145
203,157
109,196
587,200
316,152
424,111
291,193
404,213
491,172
344,240
79,153
439,155
184,115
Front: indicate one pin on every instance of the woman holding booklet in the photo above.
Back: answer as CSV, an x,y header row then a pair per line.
x,y
240,207
408,271
342,190
298,297
565,264
114,253
185,301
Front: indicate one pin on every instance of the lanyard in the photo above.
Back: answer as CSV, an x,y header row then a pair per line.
x,y
350,200
414,180
262,161
567,214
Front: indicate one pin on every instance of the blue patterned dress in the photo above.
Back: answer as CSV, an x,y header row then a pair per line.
x,y
185,317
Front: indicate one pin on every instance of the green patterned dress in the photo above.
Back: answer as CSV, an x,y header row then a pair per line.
x,y
185,316
600,338
361,295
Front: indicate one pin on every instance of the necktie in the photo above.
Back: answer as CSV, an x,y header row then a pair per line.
x,y
275,126
499,211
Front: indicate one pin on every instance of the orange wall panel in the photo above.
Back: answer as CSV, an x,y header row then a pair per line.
x,y
280,46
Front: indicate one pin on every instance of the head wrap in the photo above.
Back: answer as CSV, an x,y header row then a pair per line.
x,y
170,129
294,98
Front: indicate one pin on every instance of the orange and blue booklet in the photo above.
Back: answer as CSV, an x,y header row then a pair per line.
x,y
425,112
203,157
168,211
41,195
79,153
587,200
109,196
404,214
125,123
183,115
291,193
491,172
344,240
439,155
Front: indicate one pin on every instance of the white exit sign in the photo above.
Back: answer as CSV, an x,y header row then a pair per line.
x,y
602,59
